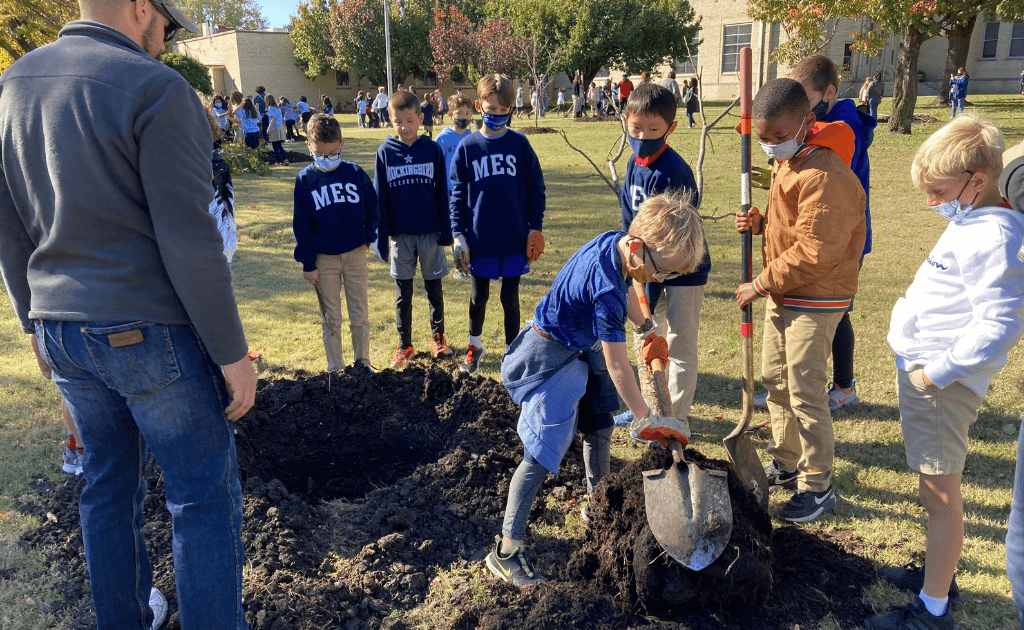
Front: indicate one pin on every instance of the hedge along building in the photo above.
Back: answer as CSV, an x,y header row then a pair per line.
x,y
242,60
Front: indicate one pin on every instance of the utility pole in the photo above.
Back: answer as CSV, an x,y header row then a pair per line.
x,y
387,45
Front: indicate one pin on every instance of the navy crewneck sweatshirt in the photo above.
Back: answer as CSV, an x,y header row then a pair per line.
x,y
335,212
412,191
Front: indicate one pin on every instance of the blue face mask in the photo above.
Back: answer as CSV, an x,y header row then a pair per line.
x,y
327,163
647,147
497,122
953,210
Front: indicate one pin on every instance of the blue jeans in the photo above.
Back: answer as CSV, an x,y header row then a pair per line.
x,y
873,102
956,103
133,387
1015,532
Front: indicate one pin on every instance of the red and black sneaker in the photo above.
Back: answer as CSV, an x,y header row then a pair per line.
x,y
472,362
439,347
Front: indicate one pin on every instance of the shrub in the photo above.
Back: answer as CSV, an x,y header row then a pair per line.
x,y
193,71
242,159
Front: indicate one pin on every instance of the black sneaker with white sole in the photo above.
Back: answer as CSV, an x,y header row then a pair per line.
x,y
910,577
912,616
778,478
807,506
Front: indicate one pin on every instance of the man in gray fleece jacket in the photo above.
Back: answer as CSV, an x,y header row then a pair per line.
x,y
113,263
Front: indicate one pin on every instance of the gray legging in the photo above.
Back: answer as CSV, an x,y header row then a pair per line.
x,y
529,477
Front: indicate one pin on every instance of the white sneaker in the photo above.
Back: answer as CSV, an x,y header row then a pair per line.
x,y
838,399
158,604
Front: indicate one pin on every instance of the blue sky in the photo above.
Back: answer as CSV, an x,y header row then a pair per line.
x,y
277,12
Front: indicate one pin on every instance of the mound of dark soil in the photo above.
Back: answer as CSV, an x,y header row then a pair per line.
x,y
531,131
358,489
587,119
294,157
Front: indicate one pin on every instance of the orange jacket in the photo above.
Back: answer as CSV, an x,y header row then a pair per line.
x,y
814,225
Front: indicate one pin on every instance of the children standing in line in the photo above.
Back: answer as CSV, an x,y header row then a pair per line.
x,y
409,178
275,131
497,210
460,109
813,236
335,220
566,368
654,169
951,334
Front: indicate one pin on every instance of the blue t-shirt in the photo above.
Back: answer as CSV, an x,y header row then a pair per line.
x,y
587,301
448,140
249,124
274,113
303,107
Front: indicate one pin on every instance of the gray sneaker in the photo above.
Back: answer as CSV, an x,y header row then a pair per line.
x,y
514,567
838,399
158,604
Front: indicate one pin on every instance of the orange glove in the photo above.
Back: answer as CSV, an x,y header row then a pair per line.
x,y
655,347
534,246
655,428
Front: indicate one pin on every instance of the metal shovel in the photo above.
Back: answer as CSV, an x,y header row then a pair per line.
x,y
741,449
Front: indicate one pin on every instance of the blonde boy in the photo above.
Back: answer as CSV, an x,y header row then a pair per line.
x,y
566,368
951,334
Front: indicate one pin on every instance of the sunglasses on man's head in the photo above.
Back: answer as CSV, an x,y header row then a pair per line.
x,y
172,28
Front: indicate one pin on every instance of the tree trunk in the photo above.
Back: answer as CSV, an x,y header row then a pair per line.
x,y
959,37
904,91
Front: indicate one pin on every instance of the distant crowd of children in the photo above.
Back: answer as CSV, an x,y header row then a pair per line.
x,y
482,194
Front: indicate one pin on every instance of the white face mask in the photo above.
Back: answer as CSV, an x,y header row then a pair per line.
x,y
954,210
784,150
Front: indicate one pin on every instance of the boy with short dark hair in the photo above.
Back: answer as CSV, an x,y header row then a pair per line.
x,y
497,210
654,169
813,236
409,177
951,334
460,110
335,220
566,367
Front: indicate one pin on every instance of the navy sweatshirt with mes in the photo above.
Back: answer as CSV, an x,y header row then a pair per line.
x,y
497,193
412,191
335,212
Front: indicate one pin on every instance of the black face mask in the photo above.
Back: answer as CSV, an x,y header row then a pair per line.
x,y
460,123
820,110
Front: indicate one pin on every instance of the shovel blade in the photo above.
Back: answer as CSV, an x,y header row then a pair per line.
x,y
689,512
748,466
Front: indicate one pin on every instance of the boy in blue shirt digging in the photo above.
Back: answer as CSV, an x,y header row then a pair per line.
x,y
409,177
497,210
566,367
335,220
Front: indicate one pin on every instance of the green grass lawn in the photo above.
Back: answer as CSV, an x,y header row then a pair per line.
x,y
878,493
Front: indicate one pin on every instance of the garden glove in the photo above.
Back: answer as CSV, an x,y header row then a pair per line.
x,y
534,246
460,252
760,177
655,428
655,347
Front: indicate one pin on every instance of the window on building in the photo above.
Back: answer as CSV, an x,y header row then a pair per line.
x,y
1017,40
988,49
847,57
689,66
340,78
734,37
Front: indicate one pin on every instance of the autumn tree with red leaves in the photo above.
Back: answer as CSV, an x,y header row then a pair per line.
x,y
464,50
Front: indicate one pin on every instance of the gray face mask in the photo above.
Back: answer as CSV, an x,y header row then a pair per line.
x,y
784,150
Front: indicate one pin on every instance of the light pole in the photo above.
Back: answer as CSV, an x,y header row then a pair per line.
x,y
387,44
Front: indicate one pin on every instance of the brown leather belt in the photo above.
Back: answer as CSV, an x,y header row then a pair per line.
x,y
542,333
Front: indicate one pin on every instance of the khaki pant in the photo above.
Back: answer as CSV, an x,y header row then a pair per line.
x,y
346,271
796,348
677,319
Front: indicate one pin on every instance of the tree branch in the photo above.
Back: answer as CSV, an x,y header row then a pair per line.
x,y
614,187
